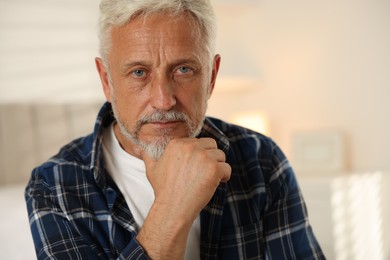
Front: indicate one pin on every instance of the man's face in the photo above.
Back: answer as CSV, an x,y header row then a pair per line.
x,y
161,79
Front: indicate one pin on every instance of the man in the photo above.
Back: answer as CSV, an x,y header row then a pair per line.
x,y
156,179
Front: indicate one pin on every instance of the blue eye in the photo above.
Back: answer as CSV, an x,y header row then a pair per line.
x,y
184,69
139,73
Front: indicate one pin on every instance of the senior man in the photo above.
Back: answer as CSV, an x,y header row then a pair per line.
x,y
156,178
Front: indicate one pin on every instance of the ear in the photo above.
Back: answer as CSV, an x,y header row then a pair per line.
x,y
103,73
214,73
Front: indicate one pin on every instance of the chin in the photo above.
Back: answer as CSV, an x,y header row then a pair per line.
x,y
164,138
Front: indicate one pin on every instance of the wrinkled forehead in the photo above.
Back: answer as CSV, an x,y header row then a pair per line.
x,y
160,31
149,22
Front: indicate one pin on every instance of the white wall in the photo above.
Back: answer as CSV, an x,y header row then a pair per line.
x,y
321,64
318,64
47,51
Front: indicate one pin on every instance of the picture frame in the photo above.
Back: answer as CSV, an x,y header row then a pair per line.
x,y
318,151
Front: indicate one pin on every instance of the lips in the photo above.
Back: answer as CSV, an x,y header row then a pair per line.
x,y
165,124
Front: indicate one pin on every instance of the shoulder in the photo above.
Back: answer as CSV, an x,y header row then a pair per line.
x,y
71,159
79,151
253,154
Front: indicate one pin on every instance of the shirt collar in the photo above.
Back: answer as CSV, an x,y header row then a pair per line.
x,y
104,119
211,130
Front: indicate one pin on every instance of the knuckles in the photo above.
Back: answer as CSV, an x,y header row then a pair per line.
x,y
201,155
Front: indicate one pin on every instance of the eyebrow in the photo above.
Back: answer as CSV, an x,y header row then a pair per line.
x,y
191,61
126,66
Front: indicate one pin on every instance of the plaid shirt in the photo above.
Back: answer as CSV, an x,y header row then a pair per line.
x,y
77,212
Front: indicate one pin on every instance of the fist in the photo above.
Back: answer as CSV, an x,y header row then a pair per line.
x,y
187,174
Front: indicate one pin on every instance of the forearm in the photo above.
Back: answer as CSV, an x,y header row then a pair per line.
x,y
164,233
184,179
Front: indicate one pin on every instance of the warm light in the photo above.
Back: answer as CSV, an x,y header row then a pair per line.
x,y
357,199
254,120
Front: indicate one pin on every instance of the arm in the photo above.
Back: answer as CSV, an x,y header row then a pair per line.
x,y
288,234
184,179
64,226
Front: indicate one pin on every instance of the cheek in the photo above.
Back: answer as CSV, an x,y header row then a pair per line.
x,y
196,104
130,105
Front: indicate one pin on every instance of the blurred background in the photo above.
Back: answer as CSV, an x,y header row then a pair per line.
x,y
312,75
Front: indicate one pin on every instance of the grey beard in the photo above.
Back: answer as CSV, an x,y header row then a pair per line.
x,y
156,148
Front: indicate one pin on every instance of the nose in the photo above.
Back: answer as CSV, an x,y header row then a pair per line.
x,y
162,94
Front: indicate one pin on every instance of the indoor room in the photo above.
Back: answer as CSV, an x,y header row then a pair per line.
x,y
311,75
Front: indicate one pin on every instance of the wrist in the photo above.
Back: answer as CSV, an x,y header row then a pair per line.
x,y
164,233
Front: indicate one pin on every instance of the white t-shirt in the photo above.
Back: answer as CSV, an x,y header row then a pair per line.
x,y
129,174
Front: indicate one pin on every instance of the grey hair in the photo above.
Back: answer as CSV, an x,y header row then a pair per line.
x,y
120,12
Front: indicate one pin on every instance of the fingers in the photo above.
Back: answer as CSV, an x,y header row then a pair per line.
x,y
217,155
187,146
225,171
213,151
207,143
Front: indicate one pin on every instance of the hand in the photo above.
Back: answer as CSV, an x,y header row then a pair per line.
x,y
187,174
184,179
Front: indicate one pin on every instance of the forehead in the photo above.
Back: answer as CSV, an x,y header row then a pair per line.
x,y
158,32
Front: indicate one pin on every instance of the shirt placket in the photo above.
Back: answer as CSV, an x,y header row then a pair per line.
x,y
211,220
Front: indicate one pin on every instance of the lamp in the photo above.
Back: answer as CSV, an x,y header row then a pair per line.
x,y
252,119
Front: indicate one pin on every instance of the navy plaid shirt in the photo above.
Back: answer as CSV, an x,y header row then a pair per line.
x,y
77,212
